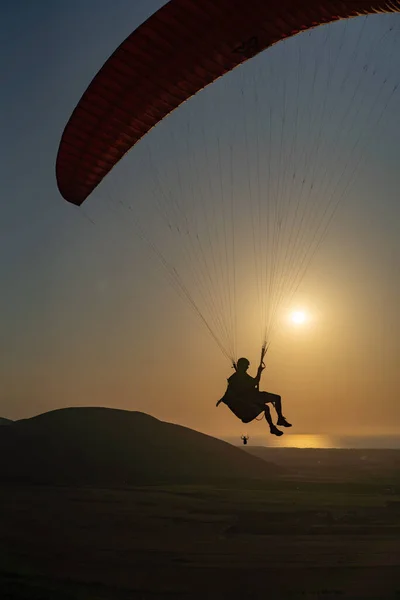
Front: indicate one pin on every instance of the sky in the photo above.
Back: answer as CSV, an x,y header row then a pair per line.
x,y
88,317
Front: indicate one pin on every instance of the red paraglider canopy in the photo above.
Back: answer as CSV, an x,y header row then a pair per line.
x,y
183,47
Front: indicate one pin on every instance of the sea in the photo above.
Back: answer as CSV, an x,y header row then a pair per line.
x,y
291,440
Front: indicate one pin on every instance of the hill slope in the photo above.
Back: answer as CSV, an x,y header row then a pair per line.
x,y
107,446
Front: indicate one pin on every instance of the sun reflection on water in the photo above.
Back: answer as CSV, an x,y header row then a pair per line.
x,y
323,441
302,441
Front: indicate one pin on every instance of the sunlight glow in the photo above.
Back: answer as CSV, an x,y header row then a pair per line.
x,y
298,317
303,441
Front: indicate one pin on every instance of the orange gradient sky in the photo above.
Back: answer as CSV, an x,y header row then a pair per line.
x,y
87,319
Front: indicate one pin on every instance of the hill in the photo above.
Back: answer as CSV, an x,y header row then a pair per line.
x,y
103,446
4,421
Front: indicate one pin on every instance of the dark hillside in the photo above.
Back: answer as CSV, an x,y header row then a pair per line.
x,y
107,446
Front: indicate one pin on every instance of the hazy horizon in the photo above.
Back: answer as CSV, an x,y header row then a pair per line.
x,y
304,440
324,442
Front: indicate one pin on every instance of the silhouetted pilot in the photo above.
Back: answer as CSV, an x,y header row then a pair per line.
x,y
247,402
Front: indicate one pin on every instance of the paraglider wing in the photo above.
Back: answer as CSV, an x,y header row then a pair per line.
x,y
182,48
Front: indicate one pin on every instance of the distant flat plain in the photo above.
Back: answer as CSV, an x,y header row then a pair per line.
x,y
299,535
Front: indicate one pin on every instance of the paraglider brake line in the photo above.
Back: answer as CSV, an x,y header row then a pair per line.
x,y
264,349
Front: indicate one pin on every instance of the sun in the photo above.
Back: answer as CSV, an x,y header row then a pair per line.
x,y
298,317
